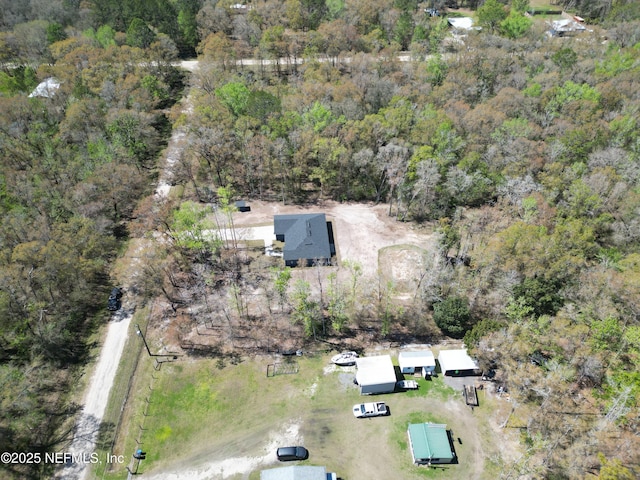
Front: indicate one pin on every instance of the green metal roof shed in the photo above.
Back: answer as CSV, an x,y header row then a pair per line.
x,y
429,443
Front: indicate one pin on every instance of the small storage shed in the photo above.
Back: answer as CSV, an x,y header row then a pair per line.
x,y
46,89
457,363
422,362
462,24
375,374
429,443
565,26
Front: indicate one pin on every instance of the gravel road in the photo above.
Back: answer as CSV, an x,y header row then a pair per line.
x,y
97,395
95,401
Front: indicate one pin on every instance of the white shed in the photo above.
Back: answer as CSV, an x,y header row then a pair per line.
x,y
421,361
457,363
46,88
462,23
375,374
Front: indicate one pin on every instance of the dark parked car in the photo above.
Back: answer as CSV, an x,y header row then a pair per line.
x,y
114,303
286,454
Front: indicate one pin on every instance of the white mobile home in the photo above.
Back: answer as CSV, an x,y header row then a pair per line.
x,y
375,374
297,472
422,362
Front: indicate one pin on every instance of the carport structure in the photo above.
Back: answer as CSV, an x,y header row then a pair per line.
x,y
457,363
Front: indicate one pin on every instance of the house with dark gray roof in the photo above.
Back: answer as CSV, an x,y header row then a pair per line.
x,y
306,237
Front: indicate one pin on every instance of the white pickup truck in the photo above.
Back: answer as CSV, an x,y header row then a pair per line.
x,y
372,409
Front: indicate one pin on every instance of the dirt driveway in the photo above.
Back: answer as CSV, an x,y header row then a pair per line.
x,y
360,230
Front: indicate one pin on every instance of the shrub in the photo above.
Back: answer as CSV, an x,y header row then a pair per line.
x,y
452,316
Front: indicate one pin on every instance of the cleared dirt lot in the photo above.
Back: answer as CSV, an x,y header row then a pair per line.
x,y
360,230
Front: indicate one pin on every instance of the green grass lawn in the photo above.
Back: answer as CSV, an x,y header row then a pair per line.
x,y
196,399
200,411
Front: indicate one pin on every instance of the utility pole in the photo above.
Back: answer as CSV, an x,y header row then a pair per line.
x,y
167,355
139,332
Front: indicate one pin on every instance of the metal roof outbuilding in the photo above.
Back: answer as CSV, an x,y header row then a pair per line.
x,y
375,374
429,443
297,472
457,363
412,360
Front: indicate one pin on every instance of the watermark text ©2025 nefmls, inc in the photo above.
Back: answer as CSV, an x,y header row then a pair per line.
x,y
58,458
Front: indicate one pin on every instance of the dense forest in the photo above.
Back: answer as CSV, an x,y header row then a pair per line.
x,y
521,148
75,162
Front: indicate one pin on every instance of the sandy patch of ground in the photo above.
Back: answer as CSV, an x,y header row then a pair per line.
x,y
225,468
507,439
332,367
311,391
360,230
403,265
